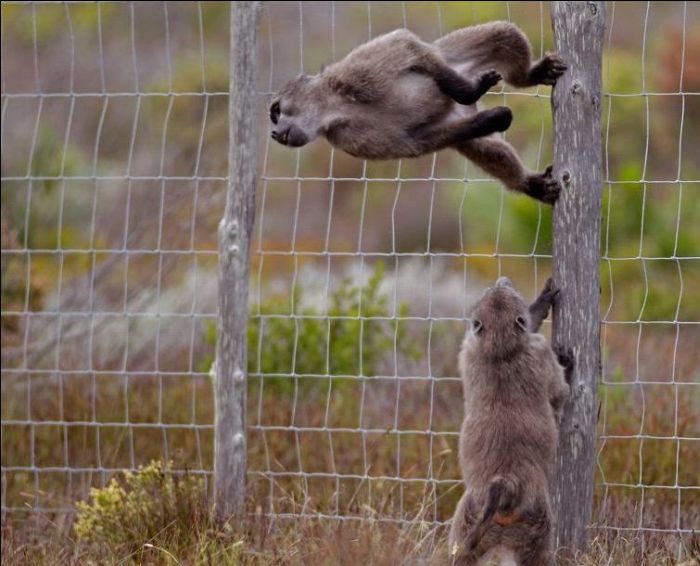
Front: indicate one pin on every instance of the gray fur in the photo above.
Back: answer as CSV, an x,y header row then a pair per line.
x,y
514,391
398,96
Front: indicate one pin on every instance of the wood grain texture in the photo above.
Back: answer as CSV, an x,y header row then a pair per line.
x,y
576,101
234,260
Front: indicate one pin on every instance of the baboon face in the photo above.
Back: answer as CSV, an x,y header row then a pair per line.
x,y
500,320
294,113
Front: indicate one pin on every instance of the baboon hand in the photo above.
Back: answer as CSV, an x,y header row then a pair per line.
x,y
543,187
549,292
539,310
488,79
548,70
565,356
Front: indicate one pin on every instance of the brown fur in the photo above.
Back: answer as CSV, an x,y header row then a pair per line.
x,y
507,519
514,390
398,96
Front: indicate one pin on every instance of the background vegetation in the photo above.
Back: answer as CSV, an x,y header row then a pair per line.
x,y
110,201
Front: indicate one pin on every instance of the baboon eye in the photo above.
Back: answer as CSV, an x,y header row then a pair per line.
x,y
274,112
477,327
522,323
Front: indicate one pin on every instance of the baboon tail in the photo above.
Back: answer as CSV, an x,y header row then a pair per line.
x,y
503,497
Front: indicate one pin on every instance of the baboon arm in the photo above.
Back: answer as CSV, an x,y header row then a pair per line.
x,y
561,383
428,61
539,310
559,389
559,392
498,158
461,89
555,382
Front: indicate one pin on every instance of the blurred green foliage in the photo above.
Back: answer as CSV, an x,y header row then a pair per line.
x,y
641,142
49,161
47,23
650,236
348,338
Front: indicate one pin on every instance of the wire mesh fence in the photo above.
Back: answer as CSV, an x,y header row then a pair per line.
x,y
114,143
650,361
114,134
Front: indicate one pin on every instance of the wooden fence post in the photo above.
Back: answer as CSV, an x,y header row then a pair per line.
x,y
576,101
234,260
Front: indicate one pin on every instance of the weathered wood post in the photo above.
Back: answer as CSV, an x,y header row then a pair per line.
x,y
576,101
234,258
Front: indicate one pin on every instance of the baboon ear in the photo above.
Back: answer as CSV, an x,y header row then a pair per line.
x,y
477,327
521,323
504,282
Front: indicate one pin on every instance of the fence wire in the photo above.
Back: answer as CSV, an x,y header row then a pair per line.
x,y
114,137
113,142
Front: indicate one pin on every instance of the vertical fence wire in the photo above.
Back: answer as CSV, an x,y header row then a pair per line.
x,y
113,179
388,426
648,370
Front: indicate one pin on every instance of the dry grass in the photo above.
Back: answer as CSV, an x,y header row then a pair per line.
x,y
137,392
48,538
310,542
193,537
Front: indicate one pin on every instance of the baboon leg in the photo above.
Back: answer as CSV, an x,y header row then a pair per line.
x,y
530,540
503,47
459,530
432,137
536,553
498,158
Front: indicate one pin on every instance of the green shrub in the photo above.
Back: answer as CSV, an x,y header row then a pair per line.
x,y
350,338
147,507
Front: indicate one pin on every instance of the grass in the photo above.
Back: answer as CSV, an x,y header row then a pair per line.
x,y
380,474
320,427
626,410
152,370
307,542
